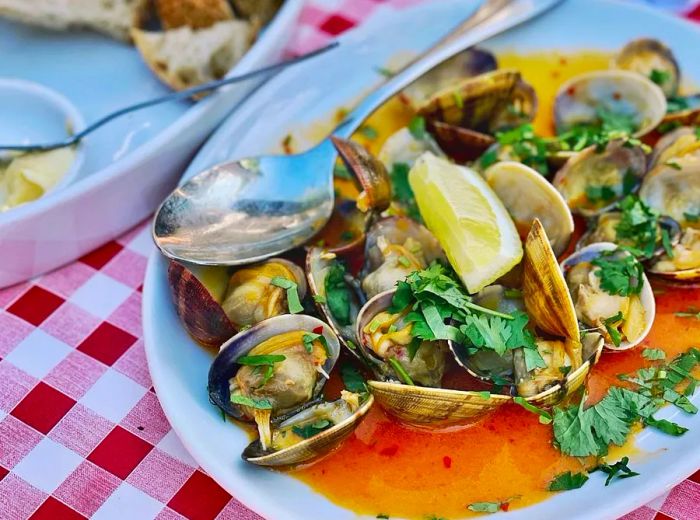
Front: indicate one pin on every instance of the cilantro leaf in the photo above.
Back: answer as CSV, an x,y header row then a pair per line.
x,y
544,416
337,293
618,470
352,379
620,274
485,507
417,127
653,354
309,430
259,403
659,76
600,193
567,481
401,190
293,302
309,339
610,326
638,225
667,427
270,359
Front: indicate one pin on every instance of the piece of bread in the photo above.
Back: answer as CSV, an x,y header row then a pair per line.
x,y
197,14
261,11
184,58
112,17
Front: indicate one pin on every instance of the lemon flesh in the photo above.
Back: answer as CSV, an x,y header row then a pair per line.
x,y
467,218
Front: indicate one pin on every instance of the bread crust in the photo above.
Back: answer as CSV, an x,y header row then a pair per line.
x,y
197,14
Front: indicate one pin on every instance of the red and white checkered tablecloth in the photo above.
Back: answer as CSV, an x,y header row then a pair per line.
x,y
81,431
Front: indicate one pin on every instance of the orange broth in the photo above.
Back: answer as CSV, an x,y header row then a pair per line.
x,y
389,468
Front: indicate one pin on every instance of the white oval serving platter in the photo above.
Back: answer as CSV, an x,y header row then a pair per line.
x,y
179,366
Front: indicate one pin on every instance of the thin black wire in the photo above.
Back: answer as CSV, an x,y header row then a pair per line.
x,y
182,94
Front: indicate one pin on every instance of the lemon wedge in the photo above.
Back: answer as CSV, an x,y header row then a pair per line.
x,y
468,219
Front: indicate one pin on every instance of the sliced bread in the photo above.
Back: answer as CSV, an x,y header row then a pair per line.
x,y
112,17
197,14
184,58
261,11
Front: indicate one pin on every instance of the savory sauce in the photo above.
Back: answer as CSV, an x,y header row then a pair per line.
x,y
392,469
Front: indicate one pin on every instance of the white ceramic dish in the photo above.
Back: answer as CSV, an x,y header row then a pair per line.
x,y
130,164
179,367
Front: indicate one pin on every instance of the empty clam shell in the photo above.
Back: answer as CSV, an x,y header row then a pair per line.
x,y
646,297
527,195
679,142
311,449
620,92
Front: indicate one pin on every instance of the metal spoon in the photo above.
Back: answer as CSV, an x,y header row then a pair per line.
x,y
247,210
174,96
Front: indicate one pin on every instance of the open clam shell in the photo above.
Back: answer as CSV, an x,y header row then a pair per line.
x,y
620,92
593,181
225,365
311,449
467,64
382,267
528,195
319,263
402,147
460,144
677,143
197,293
648,56
434,407
421,405
474,102
370,172
646,297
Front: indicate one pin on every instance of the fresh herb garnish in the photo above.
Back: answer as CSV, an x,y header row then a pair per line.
x,y
691,217
620,274
400,371
337,293
610,326
252,402
667,427
383,516
417,127
659,76
293,302
341,171
677,104
638,225
459,100
653,354
269,359
352,379
599,193
688,313
524,145
618,470
310,338
401,190
567,481
319,298
544,416
488,507
673,164
369,132
309,430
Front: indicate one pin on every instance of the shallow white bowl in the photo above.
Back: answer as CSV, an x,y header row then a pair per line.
x,y
179,366
130,164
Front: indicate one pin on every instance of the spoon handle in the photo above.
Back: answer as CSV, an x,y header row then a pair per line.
x,y
492,18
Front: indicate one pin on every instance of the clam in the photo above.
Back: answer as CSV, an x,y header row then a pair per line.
x,y
583,99
593,181
214,304
673,189
396,247
595,307
683,110
460,144
370,172
402,147
311,433
467,64
273,369
386,337
679,142
527,196
652,59
327,275
552,313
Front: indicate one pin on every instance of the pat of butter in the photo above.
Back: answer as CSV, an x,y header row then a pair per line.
x,y
29,176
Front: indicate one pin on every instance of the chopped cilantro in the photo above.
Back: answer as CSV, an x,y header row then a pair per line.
x,y
638,225
567,481
653,354
400,371
404,261
618,470
352,379
486,507
318,298
369,132
544,416
293,302
677,104
673,164
386,73
599,193
401,190
259,403
417,127
488,158
309,339
659,76
691,217
270,359
459,100
309,430
689,313
620,274
667,427
347,235
341,171
525,146
337,293
612,329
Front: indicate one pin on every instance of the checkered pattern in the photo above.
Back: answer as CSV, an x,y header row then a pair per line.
x,y
81,431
